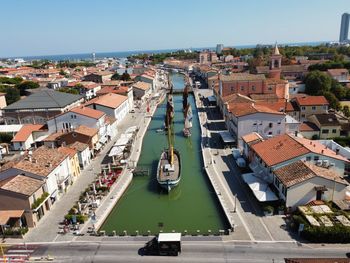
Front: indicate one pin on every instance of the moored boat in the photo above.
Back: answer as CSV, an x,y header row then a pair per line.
x,y
169,169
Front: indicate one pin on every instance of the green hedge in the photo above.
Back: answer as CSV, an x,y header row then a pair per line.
x,y
80,218
16,232
41,199
321,234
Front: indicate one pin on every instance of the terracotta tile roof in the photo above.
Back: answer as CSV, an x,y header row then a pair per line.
x,y
26,130
109,100
66,150
318,148
252,137
53,136
122,90
79,146
308,127
43,161
86,111
243,109
6,215
337,72
280,105
23,185
311,100
86,130
279,149
142,85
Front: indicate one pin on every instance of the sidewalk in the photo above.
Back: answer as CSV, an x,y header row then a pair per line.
x,y
47,228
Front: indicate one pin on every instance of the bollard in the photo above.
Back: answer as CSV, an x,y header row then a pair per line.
x,y
114,233
173,231
185,232
148,232
221,232
102,232
137,232
125,233
209,232
198,232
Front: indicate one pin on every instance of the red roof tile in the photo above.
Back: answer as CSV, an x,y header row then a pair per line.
x,y
311,100
86,111
26,130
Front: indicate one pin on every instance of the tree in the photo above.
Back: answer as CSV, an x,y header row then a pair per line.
x,y
25,85
125,76
12,95
69,90
338,90
116,76
332,99
317,83
346,111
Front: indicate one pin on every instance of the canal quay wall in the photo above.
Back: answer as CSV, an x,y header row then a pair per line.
x,y
213,176
122,184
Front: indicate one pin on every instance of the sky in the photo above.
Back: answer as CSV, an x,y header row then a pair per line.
x,y
49,27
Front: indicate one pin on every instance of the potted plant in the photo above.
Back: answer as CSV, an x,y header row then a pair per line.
x,y
268,210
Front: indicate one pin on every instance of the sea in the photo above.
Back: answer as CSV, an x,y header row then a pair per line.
x,y
124,54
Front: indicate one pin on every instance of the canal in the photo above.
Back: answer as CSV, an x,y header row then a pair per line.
x,y
191,206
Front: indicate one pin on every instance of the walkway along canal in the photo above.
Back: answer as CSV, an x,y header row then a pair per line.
x,y
191,206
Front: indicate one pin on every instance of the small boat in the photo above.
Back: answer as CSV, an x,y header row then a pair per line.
x,y
188,121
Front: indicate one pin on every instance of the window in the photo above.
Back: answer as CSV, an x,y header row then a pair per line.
x,y
253,88
270,125
277,182
278,131
231,88
302,108
325,107
316,158
269,88
313,107
270,133
334,130
308,158
279,122
325,131
303,115
242,88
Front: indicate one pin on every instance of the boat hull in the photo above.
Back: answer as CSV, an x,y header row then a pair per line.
x,y
168,184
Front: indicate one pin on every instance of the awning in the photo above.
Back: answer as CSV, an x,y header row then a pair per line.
x,y
5,215
260,188
321,188
103,139
226,137
116,150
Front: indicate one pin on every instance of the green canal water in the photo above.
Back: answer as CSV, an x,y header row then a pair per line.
x,y
191,206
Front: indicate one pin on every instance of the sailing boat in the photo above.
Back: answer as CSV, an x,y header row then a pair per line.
x,y
169,165
188,121
184,98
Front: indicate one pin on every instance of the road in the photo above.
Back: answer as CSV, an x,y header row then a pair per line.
x,y
192,251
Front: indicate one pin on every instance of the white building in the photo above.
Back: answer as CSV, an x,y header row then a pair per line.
x,y
27,135
76,117
245,118
84,153
52,165
114,105
300,182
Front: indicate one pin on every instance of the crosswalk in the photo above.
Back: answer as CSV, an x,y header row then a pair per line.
x,y
19,253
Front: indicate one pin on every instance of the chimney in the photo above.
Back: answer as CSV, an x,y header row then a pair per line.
x,y
322,151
